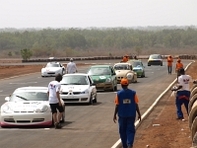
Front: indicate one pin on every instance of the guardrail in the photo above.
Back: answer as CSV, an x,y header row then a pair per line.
x,y
185,56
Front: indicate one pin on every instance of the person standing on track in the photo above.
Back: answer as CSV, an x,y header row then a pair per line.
x,y
71,67
179,65
126,107
55,101
169,61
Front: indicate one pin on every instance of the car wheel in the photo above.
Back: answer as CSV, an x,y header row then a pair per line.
x,y
143,75
90,101
115,88
95,99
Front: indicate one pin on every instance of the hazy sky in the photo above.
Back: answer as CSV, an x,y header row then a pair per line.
x,y
96,13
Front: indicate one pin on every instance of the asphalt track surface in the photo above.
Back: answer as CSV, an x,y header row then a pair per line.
x,y
86,126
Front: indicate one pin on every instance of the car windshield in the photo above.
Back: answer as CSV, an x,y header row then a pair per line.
x,y
122,67
74,80
99,71
137,64
155,57
52,65
29,96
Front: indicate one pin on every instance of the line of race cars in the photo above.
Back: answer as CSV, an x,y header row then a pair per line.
x,y
28,106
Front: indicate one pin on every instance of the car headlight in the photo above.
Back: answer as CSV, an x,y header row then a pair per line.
x,y
6,109
129,76
108,80
41,109
85,91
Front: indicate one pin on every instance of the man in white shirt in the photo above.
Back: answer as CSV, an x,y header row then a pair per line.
x,y
71,67
55,101
183,92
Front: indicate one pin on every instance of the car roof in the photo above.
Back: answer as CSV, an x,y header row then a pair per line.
x,y
155,55
101,65
76,74
134,61
53,62
122,63
34,88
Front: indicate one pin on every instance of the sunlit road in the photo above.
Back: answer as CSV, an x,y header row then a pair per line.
x,y
87,126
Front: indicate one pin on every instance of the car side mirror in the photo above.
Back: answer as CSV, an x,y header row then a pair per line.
x,y
93,84
7,99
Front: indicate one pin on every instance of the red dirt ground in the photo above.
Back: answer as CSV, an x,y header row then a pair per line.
x,y
170,134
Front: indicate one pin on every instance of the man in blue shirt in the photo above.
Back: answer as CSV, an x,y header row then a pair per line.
x,y
126,106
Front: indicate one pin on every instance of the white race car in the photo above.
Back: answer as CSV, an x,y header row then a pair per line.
x,y
27,106
78,88
52,69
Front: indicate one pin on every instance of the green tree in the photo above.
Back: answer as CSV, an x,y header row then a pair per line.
x,y
10,54
26,54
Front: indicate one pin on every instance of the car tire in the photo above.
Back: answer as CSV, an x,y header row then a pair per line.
x,y
95,100
143,75
115,88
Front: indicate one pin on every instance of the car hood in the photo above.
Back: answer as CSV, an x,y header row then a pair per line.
x,y
100,78
26,106
123,72
137,68
74,88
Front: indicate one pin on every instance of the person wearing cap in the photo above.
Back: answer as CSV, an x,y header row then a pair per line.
x,y
169,61
183,92
71,67
126,106
55,101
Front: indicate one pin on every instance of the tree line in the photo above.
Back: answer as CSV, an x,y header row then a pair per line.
x,y
76,42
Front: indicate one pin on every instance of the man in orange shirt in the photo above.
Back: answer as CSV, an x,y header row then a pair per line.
x,y
179,65
170,61
125,58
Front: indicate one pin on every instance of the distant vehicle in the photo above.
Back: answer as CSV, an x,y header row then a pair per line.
x,y
155,59
51,58
104,77
138,67
27,106
52,69
78,88
124,70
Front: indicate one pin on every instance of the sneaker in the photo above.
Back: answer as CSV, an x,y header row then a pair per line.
x,y
58,126
179,118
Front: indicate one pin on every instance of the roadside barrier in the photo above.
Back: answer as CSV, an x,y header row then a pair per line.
x,y
185,56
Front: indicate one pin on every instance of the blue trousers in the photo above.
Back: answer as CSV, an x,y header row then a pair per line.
x,y
182,97
127,130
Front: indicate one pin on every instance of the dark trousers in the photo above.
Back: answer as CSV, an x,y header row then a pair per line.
x,y
182,97
127,130
169,69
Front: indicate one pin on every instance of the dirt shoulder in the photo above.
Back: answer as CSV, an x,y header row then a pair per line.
x,y
161,129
